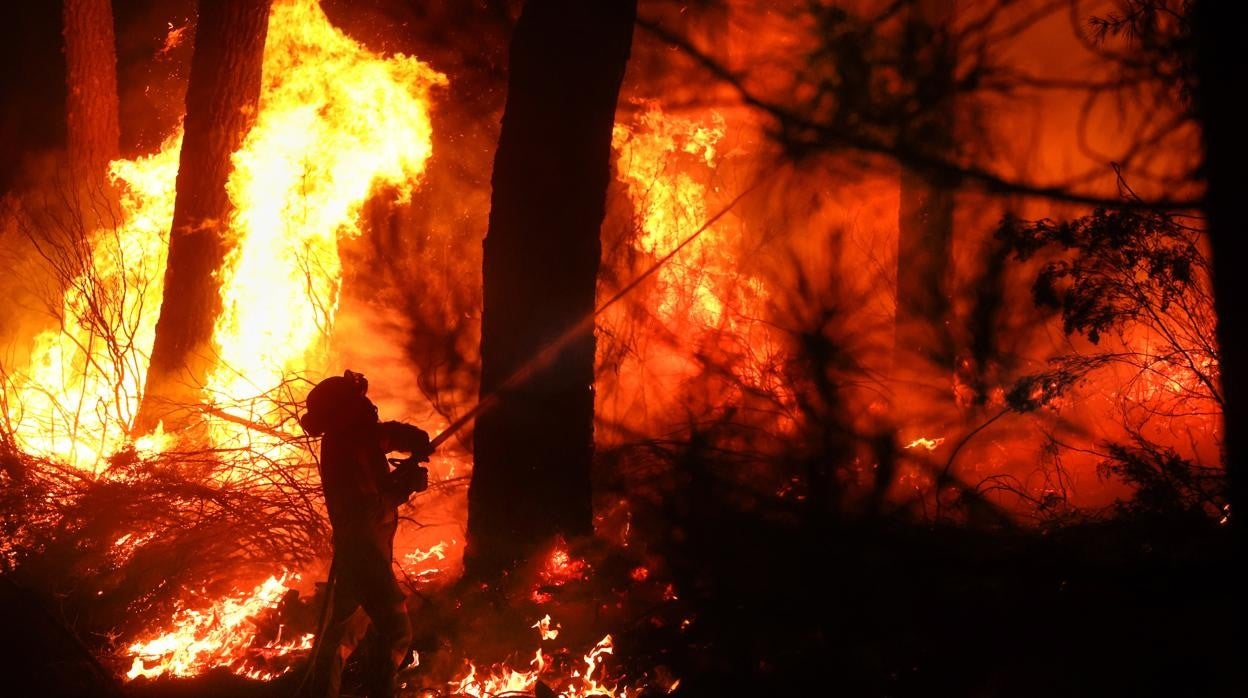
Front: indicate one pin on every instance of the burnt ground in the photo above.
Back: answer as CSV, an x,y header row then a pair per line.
x,y
1130,609
1118,608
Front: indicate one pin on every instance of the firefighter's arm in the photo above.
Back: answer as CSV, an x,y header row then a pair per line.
x,y
398,436
407,477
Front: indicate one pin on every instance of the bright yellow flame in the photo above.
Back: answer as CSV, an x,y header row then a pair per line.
x,y
336,122
924,442
438,551
413,562
670,204
219,635
504,680
81,388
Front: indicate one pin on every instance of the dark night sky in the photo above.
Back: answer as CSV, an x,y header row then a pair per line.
x,y
151,83
32,83
32,70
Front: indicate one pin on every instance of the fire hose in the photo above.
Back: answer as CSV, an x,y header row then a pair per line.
x,y
408,471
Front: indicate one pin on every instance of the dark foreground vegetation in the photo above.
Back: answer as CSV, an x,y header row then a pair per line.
x,y
737,604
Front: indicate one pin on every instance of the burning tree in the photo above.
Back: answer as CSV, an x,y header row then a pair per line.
x,y
240,491
534,447
221,100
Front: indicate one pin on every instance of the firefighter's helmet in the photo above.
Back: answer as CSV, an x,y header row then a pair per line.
x,y
338,402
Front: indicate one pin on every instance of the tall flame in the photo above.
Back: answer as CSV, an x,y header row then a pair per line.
x,y
670,203
82,385
336,122
706,306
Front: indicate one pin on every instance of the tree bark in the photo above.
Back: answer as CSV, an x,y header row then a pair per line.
x,y
94,133
925,217
1222,72
221,101
533,451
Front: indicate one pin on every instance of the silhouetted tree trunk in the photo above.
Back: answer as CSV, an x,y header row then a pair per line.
x,y
531,479
91,102
1222,72
221,100
925,220
922,344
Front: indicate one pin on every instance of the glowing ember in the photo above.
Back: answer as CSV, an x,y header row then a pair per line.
x,y
544,628
924,442
174,38
561,567
126,546
220,635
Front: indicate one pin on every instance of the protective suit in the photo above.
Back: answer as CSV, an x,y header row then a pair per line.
x,y
363,498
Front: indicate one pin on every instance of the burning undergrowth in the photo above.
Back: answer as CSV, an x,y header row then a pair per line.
x,y
580,620
123,547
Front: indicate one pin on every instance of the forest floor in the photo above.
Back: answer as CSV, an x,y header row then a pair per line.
x,y
1119,608
1113,608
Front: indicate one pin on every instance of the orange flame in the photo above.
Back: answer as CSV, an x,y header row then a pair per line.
x,y
670,204
704,302
504,680
217,636
544,628
81,387
335,123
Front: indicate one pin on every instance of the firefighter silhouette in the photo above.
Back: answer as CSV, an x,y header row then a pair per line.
x,y
362,496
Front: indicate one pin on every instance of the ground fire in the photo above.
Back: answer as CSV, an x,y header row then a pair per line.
x,y
553,348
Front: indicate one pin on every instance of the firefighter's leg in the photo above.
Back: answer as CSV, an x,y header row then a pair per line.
x,y
385,604
347,624
394,637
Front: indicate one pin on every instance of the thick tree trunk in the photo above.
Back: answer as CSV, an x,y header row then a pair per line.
x,y
531,480
925,220
221,101
94,133
1222,72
